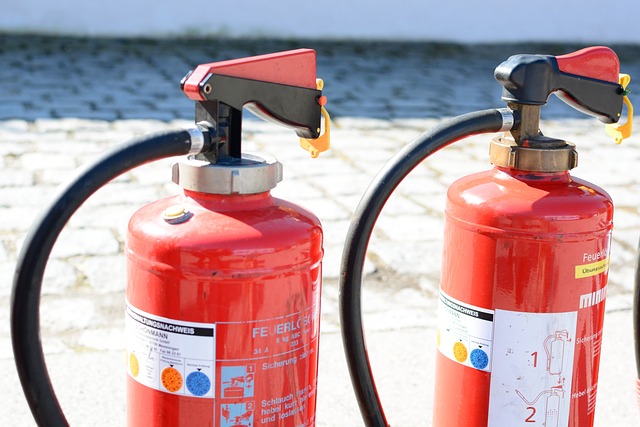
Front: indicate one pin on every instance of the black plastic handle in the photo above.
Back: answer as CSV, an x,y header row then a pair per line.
x,y
587,80
291,106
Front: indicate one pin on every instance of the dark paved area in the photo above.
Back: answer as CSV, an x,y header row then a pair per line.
x,y
111,79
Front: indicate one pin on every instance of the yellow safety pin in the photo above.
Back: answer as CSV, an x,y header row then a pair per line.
x,y
621,131
321,143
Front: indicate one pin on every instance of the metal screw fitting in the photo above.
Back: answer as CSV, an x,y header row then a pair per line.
x,y
248,175
556,157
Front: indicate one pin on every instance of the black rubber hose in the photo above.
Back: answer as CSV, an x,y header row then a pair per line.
x,y
25,298
357,241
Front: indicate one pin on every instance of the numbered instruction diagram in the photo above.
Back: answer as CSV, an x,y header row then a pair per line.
x,y
532,368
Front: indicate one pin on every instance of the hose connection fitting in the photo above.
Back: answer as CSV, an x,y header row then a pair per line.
x,y
247,175
525,148
588,80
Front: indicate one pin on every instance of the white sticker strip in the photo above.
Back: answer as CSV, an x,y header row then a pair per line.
x,y
532,368
170,355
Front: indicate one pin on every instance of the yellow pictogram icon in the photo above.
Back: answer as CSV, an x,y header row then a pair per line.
x,y
460,352
134,366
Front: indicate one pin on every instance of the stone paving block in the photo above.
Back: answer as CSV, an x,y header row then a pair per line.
x,y
343,183
625,218
144,126
25,196
59,316
296,190
453,166
13,126
6,349
144,112
105,339
627,196
621,282
409,227
82,113
38,161
420,188
111,216
87,242
326,210
67,143
409,257
629,239
122,192
105,274
16,219
400,205
60,278
7,269
335,231
14,177
331,261
53,176
157,172
70,124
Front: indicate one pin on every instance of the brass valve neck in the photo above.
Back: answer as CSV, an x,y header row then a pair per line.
x,y
527,149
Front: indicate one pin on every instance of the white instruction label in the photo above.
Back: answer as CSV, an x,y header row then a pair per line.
x,y
171,355
465,333
532,368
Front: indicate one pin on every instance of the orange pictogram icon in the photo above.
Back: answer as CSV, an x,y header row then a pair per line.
x,y
171,379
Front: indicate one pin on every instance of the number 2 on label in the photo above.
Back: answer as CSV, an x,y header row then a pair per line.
x,y
530,419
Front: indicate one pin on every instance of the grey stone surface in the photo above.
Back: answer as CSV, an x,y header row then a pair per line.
x,y
83,302
128,88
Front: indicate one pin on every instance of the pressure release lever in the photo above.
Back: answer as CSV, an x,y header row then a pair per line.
x,y
280,87
588,80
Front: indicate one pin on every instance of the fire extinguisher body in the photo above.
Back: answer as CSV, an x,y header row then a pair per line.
x,y
223,303
522,294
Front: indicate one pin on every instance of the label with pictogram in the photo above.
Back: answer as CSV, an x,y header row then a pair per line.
x,y
171,355
245,367
256,366
465,333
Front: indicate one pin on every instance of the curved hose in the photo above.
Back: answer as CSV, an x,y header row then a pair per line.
x,y
360,231
25,298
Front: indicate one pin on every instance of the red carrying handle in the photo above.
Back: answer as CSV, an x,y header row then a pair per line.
x,y
597,62
292,68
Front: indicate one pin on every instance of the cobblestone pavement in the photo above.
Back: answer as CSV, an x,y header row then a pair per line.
x,y
42,144
109,79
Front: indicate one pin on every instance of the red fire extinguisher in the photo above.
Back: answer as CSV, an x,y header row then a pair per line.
x,y
223,288
526,255
224,280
